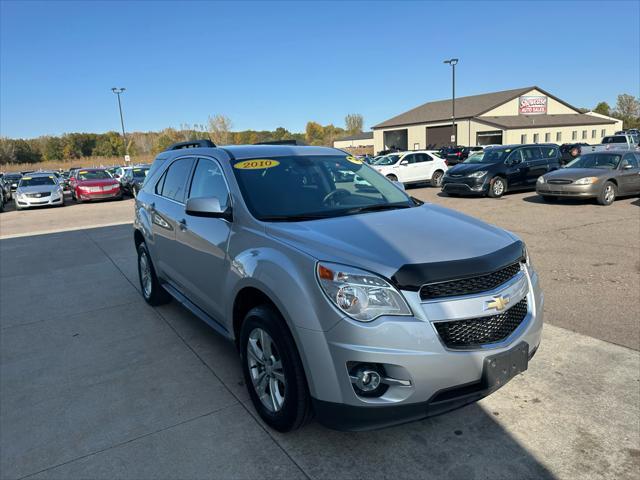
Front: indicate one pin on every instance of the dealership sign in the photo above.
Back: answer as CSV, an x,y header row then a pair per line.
x,y
532,105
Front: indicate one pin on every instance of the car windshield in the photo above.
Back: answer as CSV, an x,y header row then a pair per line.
x,y
306,188
607,161
491,155
475,158
387,160
93,175
37,181
140,172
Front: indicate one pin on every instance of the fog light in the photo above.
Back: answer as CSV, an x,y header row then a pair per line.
x,y
367,380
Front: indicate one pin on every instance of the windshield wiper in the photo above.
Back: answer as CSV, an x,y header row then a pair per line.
x,y
293,218
376,208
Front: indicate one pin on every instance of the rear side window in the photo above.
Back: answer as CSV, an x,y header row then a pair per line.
x,y
422,157
173,183
208,181
531,153
549,152
615,139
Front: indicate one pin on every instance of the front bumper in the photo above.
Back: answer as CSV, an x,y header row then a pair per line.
x,y
465,185
30,202
569,190
108,195
410,349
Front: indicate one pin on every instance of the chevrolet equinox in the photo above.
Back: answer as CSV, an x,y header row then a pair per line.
x,y
363,307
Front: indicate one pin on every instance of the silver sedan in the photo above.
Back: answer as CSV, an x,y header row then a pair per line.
x,y
38,190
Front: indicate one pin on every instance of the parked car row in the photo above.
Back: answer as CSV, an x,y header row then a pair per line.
x,y
46,188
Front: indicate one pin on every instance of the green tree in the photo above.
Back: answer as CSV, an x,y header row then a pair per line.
x,y
53,148
314,133
354,123
603,108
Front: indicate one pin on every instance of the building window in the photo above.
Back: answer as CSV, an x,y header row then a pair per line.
x,y
523,138
603,133
593,134
584,134
547,137
558,136
574,135
536,138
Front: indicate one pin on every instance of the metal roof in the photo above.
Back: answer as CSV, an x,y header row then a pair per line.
x,y
466,107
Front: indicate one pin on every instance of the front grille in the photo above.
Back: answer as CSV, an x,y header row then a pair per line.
x,y
470,285
559,182
473,332
38,195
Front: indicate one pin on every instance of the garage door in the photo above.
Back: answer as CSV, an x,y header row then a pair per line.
x,y
439,136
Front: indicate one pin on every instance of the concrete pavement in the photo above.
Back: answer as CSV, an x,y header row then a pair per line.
x,y
96,384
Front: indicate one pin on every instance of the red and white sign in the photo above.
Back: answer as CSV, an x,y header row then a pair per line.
x,y
533,105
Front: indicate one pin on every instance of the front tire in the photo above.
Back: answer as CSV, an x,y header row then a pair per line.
x,y
152,291
608,194
393,178
273,370
497,187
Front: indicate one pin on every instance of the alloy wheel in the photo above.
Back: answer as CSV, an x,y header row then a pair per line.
x,y
609,194
145,275
265,368
498,187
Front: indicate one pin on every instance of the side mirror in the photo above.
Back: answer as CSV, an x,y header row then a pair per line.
x,y
207,207
404,162
627,167
398,184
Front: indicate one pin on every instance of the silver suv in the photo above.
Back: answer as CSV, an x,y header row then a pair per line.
x,y
363,306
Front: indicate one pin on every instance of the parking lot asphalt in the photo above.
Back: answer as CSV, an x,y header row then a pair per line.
x,y
96,384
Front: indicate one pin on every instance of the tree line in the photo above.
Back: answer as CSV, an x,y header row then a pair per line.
x,y
219,129
627,109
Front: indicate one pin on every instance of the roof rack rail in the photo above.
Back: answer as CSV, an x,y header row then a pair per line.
x,y
282,142
191,144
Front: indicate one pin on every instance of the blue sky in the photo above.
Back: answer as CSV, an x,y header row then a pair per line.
x,y
270,64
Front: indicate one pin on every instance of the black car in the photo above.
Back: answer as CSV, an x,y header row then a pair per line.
x,y
455,155
498,169
569,151
12,180
133,179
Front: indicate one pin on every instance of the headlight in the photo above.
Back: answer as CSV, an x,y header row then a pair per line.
x,y
479,174
540,179
362,295
586,181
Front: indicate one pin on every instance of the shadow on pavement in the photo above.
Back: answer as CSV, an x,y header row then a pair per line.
x,y
94,383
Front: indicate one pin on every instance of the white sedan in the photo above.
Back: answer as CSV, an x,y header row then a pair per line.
x,y
413,167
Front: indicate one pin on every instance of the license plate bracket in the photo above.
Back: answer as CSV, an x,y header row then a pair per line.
x,y
498,369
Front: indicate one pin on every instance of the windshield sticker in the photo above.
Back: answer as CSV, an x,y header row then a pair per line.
x,y
256,164
26,178
84,172
354,160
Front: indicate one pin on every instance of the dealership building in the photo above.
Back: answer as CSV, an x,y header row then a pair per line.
x,y
358,144
523,115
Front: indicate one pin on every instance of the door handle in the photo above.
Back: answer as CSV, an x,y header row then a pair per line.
x,y
182,225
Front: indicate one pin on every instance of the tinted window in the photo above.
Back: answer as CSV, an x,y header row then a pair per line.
x,y
175,180
515,157
409,158
549,152
616,139
531,153
422,157
208,181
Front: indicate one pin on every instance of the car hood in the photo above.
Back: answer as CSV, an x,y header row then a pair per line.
x,y
576,173
467,168
383,242
38,188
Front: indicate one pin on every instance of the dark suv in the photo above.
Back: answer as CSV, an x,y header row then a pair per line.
x,y
498,169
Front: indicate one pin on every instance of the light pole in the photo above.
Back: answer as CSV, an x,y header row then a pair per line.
x,y
453,62
118,91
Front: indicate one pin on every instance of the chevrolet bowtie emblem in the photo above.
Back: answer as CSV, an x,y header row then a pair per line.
x,y
498,303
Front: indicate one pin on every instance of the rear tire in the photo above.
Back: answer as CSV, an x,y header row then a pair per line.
x,y
608,194
497,187
393,178
436,179
273,372
150,287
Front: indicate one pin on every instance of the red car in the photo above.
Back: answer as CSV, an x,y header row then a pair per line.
x,y
94,184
